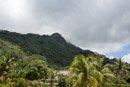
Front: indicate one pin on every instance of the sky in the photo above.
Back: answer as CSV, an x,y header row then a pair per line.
x,y
102,26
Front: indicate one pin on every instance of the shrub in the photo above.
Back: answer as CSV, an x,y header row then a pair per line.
x,y
20,82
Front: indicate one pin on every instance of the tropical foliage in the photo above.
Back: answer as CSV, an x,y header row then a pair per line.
x,y
90,72
53,47
20,69
58,52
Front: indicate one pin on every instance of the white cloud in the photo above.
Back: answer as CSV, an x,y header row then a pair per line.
x,y
13,8
126,58
99,25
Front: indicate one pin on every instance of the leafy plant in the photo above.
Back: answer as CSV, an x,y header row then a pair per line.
x,y
20,82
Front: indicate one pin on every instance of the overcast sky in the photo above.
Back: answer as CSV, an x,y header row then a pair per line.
x,y
99,25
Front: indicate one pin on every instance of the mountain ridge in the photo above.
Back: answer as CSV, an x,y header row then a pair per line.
x,y
54,47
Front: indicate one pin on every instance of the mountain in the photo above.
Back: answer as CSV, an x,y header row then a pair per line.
x,y
55,48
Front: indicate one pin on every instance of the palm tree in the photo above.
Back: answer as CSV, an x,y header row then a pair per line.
x,y
121,70
89,72
6,64
81,71
106,75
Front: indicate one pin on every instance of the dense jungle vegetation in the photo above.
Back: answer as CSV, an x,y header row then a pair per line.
x,y
55,48
20,68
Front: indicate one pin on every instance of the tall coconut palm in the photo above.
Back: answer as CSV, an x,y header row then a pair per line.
x,y
106,74
89,72
108,77
80,71
121,70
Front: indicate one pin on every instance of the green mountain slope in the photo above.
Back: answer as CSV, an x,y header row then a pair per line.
x,y
54,47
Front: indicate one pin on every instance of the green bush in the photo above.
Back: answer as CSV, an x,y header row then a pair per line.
x,y
9,84
20,82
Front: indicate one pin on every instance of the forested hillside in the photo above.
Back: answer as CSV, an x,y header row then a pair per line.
x,y
55,48
21,69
